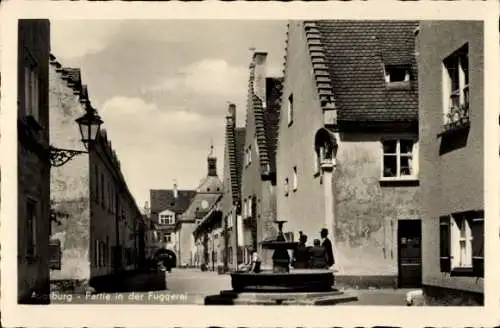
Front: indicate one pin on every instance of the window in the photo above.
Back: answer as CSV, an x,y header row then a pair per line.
x,y
295,179
399,161
245,208
102,189
462,243
461,251
256,145
167,219
456,86
397,75
250,206
249,155
286,186
230,221
289,109
167,238
31,90
31,216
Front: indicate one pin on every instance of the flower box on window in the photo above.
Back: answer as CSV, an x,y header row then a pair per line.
x,y
457,117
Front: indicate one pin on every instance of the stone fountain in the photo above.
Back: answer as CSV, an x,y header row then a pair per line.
x,y
281,285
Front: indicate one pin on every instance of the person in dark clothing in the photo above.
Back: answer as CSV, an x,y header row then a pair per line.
x,y
301,254
327,244
317,256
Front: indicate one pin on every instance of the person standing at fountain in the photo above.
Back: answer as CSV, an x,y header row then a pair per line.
x,y
318,257
301,253
327,244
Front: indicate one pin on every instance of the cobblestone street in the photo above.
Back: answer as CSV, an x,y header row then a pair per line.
x,y
192,286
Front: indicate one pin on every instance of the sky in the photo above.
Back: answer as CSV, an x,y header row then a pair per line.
x,y
162,88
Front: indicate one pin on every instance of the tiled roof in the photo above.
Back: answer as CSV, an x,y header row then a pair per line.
x,y
195,210
351,56
164,199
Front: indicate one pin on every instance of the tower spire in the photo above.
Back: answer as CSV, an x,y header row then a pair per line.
x,y
212,160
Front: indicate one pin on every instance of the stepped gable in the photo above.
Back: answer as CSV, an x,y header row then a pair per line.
x,y
73,79
272,117
266,119
348,60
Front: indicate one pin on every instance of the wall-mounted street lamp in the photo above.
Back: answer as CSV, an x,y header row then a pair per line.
x,y
89,125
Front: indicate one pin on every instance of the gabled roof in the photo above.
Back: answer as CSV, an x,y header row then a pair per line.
x,y
164,199
353,55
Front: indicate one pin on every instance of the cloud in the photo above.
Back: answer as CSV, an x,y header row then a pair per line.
x,y
72,39
157,145
206,77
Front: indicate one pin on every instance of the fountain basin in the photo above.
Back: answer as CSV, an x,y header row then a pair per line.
x,y
304,280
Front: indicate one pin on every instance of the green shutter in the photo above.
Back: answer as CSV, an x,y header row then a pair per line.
x,y
444,243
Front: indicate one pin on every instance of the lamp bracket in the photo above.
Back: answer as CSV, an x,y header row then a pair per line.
x,y
60,156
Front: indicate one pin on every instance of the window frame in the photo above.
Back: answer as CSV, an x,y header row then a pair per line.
x,y
295,179
290,109
449,244
413,157
286,185
31,94
404,84
454,72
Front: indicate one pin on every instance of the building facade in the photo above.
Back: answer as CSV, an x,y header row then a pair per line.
x,y
258,177
451,82
95,217
69,183
33,161
347,156
195,246
231,199
167,206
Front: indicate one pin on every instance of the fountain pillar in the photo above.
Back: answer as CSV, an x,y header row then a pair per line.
x,y
328,167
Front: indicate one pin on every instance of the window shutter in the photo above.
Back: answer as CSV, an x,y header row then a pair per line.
x,y
444,244
477,227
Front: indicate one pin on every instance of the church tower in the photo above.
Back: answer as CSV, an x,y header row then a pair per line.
x,y
212,162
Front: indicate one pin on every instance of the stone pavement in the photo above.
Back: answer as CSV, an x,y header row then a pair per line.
x,y
200,284
191,286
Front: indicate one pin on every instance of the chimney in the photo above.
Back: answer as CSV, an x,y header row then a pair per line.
x,y
176,192
231,115
259,83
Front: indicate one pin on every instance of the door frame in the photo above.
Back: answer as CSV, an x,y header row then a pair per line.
x,y
401,224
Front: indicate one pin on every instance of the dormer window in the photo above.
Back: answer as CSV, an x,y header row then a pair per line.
x,y
397,76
